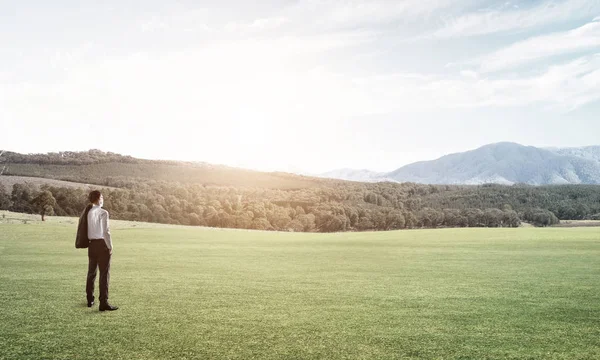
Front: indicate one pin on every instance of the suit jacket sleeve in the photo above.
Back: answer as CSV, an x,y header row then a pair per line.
x,y
81,240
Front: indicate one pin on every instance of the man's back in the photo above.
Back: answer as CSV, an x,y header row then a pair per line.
x,y
98,225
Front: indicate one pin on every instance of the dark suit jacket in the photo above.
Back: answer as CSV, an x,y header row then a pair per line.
x,y
82,241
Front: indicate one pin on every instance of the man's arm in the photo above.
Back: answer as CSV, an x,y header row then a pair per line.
x,y
107,237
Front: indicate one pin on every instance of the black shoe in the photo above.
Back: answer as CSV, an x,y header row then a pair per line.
x,y
108,307
90,303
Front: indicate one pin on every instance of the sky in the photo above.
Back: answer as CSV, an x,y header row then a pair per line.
x,y
301,86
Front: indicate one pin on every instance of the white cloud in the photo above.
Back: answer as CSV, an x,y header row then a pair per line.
x,y
582,38
561,87
469,74
269,23
154,23
220,86
226,105
307,16
516,19
361,12
257,25
176,20
564,87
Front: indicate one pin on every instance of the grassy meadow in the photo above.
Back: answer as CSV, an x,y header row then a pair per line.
x,y
195,293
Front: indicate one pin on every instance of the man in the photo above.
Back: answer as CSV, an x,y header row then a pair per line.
x,y
99,250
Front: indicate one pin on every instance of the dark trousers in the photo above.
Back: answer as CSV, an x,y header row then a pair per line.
x,y
99,256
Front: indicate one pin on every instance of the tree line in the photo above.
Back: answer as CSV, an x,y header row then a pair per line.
x,y
353,207
213,195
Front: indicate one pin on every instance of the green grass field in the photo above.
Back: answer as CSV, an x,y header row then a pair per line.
x,y
192,293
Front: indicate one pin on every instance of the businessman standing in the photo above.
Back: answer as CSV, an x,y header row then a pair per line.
x,y
99,250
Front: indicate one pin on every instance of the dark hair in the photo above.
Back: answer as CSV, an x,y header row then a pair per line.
x,y
94,196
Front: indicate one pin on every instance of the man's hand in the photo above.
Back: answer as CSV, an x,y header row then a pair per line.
x,y
110,252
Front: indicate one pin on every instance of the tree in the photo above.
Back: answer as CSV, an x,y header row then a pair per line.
x,y
352,216
211,216
493,217
279,218
261,224
451,217
44,203
337,223
540,217
5,202
567,212
437,218
243,220
411,220
295,226
159,214
474,217
21,197
582,211
225,220
194,219
365,223
307,221
395,220
511,219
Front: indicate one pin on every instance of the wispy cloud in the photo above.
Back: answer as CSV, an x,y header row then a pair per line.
x,y
364,12
582,38
269,23
562,87
517,18
176,20
235,66
213,88
306,16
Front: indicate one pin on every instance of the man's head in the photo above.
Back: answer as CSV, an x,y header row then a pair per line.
x,y
96,197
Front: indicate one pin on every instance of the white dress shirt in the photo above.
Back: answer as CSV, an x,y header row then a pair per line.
x,y
98,225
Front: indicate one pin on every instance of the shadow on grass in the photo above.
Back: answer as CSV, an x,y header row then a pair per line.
x,y
93,309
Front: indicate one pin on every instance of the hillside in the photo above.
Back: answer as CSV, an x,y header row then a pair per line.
x,y
356,175
9,181
96,167
587,152
218,196
502,163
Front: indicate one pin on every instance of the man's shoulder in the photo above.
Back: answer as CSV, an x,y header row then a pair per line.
x,y
103,212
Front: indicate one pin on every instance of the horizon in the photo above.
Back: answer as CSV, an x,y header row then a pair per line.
x,y
306,173
304,87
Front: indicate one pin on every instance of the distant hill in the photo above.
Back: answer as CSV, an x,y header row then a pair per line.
x,y
355,175
97,167
9,181
587,152
501,163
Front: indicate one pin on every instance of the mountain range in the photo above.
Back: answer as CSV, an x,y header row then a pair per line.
x,y
500,163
